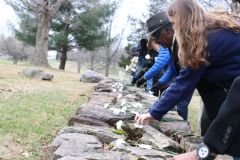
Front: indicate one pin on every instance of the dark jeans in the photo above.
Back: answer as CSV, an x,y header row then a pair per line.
x,y
182,107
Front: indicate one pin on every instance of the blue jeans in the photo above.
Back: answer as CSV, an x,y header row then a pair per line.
x,y
236,158
182,107
149,85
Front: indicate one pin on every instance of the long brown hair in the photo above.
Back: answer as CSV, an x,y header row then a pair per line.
x,y
191,25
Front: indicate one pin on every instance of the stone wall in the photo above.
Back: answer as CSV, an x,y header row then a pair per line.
x,y
92,132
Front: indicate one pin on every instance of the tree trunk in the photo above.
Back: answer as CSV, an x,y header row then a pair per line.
x,y
63,58
107,67
92,59
15,60
79,66
235,7
41,48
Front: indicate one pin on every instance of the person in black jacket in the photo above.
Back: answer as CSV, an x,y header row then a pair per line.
x,y
209,57
146,59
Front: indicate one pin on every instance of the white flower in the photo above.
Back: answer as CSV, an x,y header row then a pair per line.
x,y
145,146
119,125
137,105
114,90
116,111
119,96
137,125
147,56
134,112
124,109
150,92
106,105
127,68
120,143
123,102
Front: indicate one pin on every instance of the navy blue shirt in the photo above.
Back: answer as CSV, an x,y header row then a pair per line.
x,y
224,65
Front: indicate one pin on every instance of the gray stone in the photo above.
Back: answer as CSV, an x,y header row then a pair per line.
x,y
37,73
171,116
102,155
102,98
98,112
159,140
47,77
144,153
175,128
73,144
191,143
79,120
91,77
104,134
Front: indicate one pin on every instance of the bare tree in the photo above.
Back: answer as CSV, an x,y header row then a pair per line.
x,y
112,46
235,6
15,49
228,5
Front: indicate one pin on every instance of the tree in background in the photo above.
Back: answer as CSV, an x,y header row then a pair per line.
x,y
125,60
87,28
139,29
15,49
61,38
227,5
111,43
44,11
157,6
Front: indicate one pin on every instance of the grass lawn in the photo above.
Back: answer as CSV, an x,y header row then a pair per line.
x,y
32,111
193,113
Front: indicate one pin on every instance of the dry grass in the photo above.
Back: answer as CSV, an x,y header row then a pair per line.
x,y
193,110
32,111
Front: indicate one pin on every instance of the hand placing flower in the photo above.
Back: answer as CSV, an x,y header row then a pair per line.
x,y
143,119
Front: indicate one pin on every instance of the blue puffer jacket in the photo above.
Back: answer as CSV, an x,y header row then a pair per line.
x,y
163,60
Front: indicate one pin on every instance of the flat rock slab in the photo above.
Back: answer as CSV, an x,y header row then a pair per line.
x,y
103,155
101,99
73,144
191,143
37,73
144,153
105,85
104,134
160,140
171,116
79,120
98,112
173,128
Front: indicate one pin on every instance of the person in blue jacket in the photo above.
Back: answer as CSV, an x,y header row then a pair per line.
x,y
163,67
164,60
213,57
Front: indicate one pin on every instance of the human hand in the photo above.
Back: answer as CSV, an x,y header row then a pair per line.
x,y
143,119
186,156
156,87
140,81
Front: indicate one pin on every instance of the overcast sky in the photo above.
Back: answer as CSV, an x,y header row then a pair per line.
x,y
7,15
134,8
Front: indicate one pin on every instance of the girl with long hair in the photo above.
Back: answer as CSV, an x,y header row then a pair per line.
x,y
209,51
